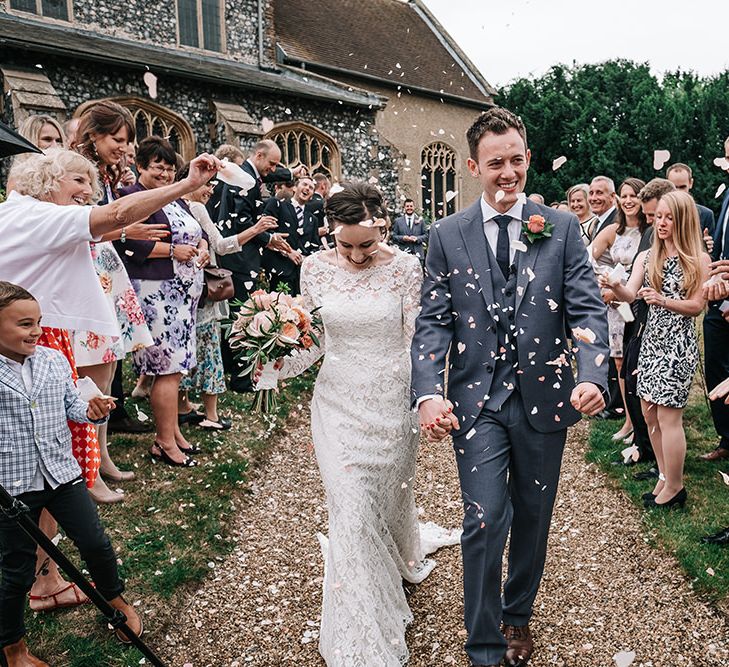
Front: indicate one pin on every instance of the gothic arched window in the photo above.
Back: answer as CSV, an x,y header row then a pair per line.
x,y
150,118
304,144
438,173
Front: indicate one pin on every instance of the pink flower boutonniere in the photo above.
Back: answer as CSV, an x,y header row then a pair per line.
x,y
537,228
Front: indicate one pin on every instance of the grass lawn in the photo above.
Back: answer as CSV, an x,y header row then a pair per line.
x,y
170,533
707,509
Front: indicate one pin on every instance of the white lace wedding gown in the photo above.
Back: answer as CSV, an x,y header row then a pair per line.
x,y
366,440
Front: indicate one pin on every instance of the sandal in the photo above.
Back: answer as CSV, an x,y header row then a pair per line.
x,y
77,592
223,424
165,458
192,417
189,451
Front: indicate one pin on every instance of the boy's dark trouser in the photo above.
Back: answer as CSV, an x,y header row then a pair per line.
x,y
71,505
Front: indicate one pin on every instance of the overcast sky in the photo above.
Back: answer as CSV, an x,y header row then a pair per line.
x,y
506,40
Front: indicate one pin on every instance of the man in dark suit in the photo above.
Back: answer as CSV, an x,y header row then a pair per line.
x,y
299,223
716,336
409,233
601,198
234,211
315,205
682,177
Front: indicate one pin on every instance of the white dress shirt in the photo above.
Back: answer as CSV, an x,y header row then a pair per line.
x,y
491,229
604,216
25,372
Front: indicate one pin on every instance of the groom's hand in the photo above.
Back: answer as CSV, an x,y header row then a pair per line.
x,y
587,399
436,418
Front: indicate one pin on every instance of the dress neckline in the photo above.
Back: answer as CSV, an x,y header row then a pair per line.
x,y
360,272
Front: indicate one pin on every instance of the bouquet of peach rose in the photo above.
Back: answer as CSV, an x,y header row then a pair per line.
x,y
267,328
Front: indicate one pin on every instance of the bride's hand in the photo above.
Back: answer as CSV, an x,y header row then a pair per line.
x,y
437,419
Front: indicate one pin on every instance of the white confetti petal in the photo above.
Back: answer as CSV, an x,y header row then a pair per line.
x,y
558,162
725,477
660,157
500,195
518,245
150,80
720,190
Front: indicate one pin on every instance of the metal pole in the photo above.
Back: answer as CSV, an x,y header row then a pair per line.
x,y
17,511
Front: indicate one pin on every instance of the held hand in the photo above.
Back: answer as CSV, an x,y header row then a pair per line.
x,y
278,365
203,258
651,297
708,241
141,231
184,253
99,408
265,222
437,419
608,296
202,169
720,391
587,399
296,257
278,242
128,177
603,279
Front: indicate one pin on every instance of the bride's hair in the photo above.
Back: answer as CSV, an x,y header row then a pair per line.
x,y
354,203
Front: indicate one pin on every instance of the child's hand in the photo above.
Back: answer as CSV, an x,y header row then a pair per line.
x,y
99,408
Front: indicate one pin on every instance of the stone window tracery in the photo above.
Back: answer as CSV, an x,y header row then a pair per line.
x,y
304,144
439,176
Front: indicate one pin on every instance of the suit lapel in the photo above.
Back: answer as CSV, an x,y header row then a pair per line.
x,y
9,378
525,261
471,227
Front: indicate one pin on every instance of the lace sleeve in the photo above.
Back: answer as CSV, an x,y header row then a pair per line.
x,y
413,275
299,360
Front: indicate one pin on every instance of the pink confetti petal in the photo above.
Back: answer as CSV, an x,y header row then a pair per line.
x,y
660,157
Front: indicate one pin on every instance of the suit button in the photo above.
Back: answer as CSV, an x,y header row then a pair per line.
x,y
489,369
508,292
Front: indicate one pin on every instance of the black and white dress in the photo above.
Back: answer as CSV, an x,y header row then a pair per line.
x,y
669,352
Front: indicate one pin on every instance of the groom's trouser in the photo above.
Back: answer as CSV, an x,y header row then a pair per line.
x,y
509,474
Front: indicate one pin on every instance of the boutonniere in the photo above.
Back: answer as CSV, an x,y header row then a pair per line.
x,y
536,228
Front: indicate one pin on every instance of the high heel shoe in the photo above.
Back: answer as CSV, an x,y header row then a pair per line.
x,y
678,500
189,451
621,436
117,476
165,458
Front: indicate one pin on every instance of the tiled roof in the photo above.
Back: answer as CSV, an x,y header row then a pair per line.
x,y
393,41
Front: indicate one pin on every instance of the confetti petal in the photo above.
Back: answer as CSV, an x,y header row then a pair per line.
x,y
660,157
720,190
624,658
725,477
558,162
150,80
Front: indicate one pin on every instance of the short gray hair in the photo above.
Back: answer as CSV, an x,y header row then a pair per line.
x,y
607,179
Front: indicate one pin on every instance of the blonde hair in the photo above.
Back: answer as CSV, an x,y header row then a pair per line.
x,y
38,175
229,151
686,239
31,128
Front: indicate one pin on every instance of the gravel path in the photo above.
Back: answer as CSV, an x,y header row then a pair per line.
x,y
602,588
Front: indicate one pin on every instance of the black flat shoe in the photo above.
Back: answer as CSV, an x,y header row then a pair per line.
x,y
679,500
651,473
648,496
721,538
164,457
192,417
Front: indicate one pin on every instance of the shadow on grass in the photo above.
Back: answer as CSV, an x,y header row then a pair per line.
x,y
707,510
171,532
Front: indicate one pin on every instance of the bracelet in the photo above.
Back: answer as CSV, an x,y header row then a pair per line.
x,y
172,250
123,237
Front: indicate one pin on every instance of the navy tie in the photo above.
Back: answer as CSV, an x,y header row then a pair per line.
x,y
502,244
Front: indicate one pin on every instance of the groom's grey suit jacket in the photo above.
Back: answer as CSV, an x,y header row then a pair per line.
x,y
555,293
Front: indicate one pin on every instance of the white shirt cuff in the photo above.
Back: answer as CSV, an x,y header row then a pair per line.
x,y
427,397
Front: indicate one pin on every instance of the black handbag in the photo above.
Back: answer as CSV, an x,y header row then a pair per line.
x,y
218,284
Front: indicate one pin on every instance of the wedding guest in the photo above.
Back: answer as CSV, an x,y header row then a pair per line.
x,y
43,131
537,198
301,229
409,232
669,278
601,197
168,280
40,470
103,136
322,186
70,129
649,197
616,245
46,237
682,177
578,204
716,335
208,377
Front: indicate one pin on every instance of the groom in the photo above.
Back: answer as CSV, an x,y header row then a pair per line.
x,y
497,312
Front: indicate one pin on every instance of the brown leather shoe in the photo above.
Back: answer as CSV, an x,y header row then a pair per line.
x,y
16,655
520,645
718,454
134,621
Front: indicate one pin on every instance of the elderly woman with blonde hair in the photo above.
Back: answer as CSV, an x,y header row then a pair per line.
x,y
578,204
46,226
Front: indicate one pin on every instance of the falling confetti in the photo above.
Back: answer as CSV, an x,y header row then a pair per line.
x,y
583,335
624,658
558,162
450,195
722,163
720,190
266,125
660,157
499,195
725,477
518,245
599,359
150,80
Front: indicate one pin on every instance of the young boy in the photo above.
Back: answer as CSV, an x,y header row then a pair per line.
x,y
37,397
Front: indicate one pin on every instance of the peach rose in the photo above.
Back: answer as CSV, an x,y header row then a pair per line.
x,y
260,325
307,341
536,224
289,333
263,300
304,320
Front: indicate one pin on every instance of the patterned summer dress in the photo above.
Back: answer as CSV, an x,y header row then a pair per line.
x,y
170,306
669,351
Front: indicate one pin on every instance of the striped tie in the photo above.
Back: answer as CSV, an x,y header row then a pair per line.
x,y
300,216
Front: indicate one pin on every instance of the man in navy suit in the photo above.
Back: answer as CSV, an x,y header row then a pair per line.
x,y
498,308
409,233
300,224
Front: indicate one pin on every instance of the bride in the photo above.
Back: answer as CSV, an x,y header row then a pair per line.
x,y
365,434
